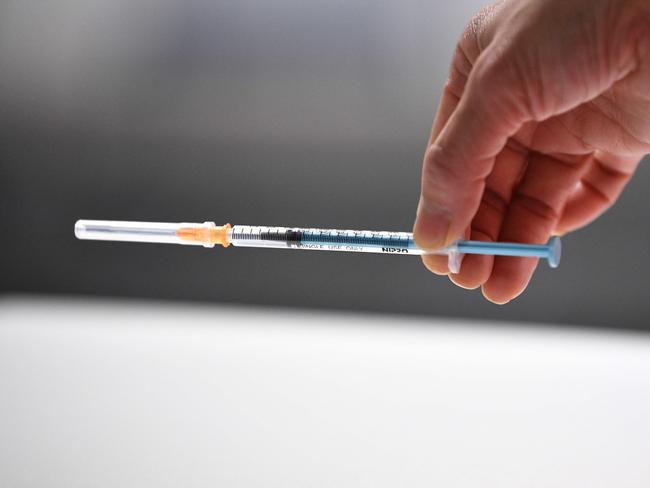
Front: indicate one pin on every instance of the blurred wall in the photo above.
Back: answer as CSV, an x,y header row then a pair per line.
x,y
296,113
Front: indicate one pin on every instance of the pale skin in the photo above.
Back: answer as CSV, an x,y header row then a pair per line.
x,y
543,120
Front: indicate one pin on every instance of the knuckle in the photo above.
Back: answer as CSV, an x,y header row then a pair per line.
x,y
473,40
439,167
494,202
536,208
477,26
495,68
501,73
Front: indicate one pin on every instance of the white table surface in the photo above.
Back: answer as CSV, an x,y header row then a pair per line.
x,y
120,393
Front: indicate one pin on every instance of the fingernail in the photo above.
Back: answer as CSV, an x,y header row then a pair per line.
x,y
431,228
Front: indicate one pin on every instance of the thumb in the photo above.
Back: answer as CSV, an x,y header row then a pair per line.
x,y
459,160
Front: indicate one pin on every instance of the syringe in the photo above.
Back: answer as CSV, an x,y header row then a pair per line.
x,y
208,234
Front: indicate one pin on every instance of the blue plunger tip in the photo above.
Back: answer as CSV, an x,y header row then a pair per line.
x,y
554,252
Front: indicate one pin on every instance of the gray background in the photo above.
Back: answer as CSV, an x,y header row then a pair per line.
x,y
279,113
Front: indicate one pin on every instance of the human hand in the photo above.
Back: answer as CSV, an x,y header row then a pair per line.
x,y
543,120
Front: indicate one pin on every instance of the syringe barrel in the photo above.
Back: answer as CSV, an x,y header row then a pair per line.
x,y
315,239
323,239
